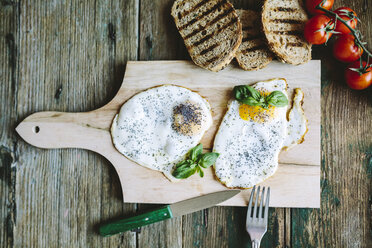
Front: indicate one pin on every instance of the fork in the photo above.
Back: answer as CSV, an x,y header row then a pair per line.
x,y
257,225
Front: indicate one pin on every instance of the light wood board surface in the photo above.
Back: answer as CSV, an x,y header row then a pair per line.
x,y
56,197
295,184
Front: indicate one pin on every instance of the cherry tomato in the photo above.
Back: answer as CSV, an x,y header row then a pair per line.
x,y
317,29
345,49
311,4
356,81
346,14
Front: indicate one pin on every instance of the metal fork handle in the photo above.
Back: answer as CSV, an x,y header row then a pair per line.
x,y
255,243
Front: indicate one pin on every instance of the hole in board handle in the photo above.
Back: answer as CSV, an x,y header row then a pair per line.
x,y
36,129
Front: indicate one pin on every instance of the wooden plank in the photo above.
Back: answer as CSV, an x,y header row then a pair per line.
x,y
8,146
159,38
344,219
72,56
225,227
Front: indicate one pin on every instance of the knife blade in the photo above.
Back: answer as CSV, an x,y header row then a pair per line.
x,y
166,212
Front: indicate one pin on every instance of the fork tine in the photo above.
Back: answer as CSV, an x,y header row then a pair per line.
x,y
267,204
249,211
261,203
256,202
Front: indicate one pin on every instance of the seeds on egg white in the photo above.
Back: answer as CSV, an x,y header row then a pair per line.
x,y
252,156
187,118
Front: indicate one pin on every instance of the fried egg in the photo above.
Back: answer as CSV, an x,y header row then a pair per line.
x,y
157,127
297,125
250,138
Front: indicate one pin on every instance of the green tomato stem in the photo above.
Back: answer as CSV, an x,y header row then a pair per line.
x,y
360,43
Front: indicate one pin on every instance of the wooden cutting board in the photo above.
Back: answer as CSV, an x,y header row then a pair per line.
x,y
295,184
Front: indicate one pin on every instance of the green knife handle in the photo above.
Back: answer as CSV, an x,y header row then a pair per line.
x,y
136,221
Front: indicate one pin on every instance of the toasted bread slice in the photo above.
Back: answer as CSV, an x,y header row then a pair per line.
x,y
253,53
283,24
210,29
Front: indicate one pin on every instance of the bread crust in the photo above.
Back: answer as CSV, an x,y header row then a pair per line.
x,y
291,30
253,53
223,59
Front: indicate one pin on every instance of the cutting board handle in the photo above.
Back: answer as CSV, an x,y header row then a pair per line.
x,y
89,130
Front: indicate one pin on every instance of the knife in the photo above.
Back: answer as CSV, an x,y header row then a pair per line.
x,y
167,212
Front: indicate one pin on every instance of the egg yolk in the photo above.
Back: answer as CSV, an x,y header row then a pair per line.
x,y
256,113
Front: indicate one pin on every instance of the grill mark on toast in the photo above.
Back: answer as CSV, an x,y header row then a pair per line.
x,y
194,33
204,14
254,37
195,7
289,21
215,58
220,16
209,49
211,60
255,48
207,37
289,32
280,38
216,19
283,9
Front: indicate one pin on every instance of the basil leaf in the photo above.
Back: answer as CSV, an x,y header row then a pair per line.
x,y
242,92
193,165
208,159
250,96
181,174
251,101
277,98
196,151
201,172
183,167
188,167
265,105
182,163
254,93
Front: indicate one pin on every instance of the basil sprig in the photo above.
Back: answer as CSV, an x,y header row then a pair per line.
x,y
249,95
194,162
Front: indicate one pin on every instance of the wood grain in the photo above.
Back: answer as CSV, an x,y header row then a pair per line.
x,y
345,215
344,219
8,142
68,58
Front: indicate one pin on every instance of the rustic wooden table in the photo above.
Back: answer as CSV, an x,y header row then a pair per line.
x,y
71,56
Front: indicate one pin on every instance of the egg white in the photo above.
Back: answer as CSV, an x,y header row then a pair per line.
x,y
297,122
142,131
249,150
